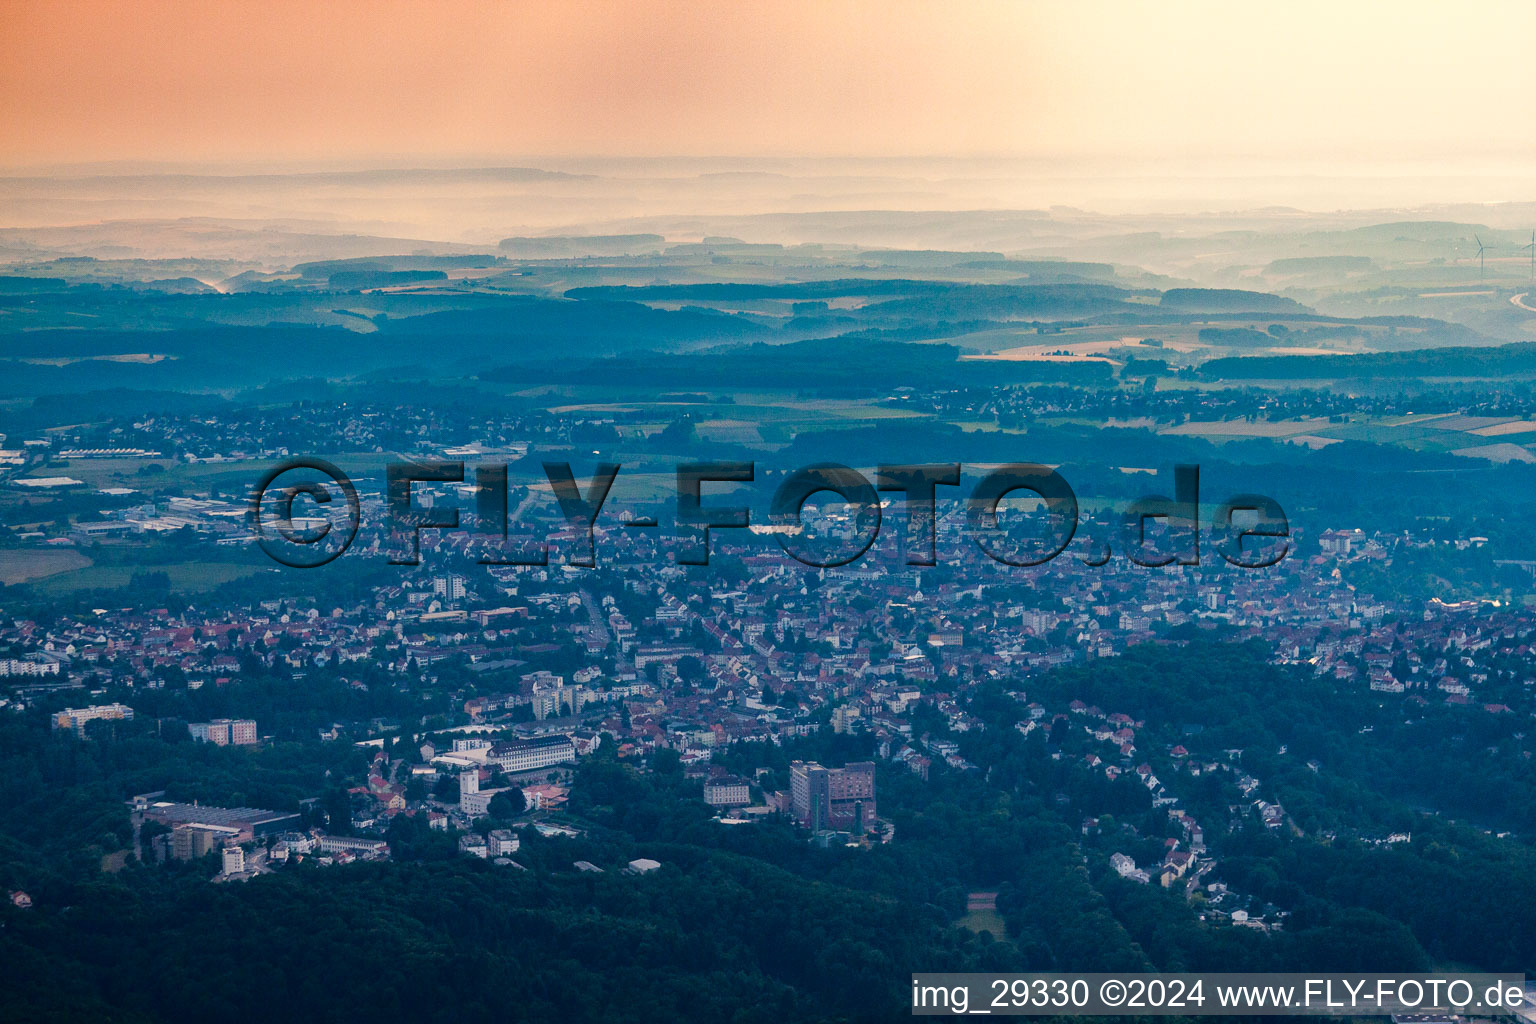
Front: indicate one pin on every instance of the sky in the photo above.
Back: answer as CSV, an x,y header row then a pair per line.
x,y
345,82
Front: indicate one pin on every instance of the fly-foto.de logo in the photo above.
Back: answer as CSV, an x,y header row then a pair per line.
x,y
312,519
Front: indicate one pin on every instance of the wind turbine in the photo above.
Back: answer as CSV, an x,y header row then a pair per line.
x,y
1532,247
1480,250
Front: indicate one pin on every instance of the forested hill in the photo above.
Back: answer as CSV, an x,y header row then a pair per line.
x,y
1514,360
710,937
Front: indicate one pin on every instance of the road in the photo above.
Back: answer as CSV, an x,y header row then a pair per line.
x,y
1519,300
597,624
1193,882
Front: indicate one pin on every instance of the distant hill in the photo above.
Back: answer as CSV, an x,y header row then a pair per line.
x,y
1045,270
323,269
1515,360
1320,265
14,284
904,298
730,290
1228,300
498,332
348,280
926,257
1420,231
839,364
570,246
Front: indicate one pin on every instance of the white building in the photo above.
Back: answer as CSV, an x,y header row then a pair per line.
x,y
727,791
452,587
34,665
502,842
530,755
367,848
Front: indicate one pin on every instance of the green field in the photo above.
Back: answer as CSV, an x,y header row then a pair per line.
x,y
985,921
36,563
185,577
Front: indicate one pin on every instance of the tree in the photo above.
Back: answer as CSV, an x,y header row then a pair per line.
x,y
338,811
507,804
667,761
147,833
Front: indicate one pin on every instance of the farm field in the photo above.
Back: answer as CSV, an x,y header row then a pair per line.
x,y
186,577
20,565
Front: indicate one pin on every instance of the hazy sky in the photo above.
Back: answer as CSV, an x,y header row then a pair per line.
x,y
355,81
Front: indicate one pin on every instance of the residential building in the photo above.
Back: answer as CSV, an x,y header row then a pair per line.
x,y
502,842
367,849
727,791
75,718
833,798
552,699
190,841
224,732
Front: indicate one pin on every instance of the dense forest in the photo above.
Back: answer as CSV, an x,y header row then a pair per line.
x,y
755,917
1517,359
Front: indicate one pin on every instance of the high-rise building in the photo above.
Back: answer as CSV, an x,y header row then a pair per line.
x,y
209,732
223,732
193,840
833,798
454,588
75,718
554,699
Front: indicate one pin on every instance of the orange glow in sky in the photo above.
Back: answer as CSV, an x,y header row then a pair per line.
x,y
348,80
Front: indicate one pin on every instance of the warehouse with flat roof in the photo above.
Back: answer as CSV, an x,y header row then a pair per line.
x,y
252,822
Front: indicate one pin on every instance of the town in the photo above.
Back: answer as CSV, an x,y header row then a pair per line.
x,y
524,672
